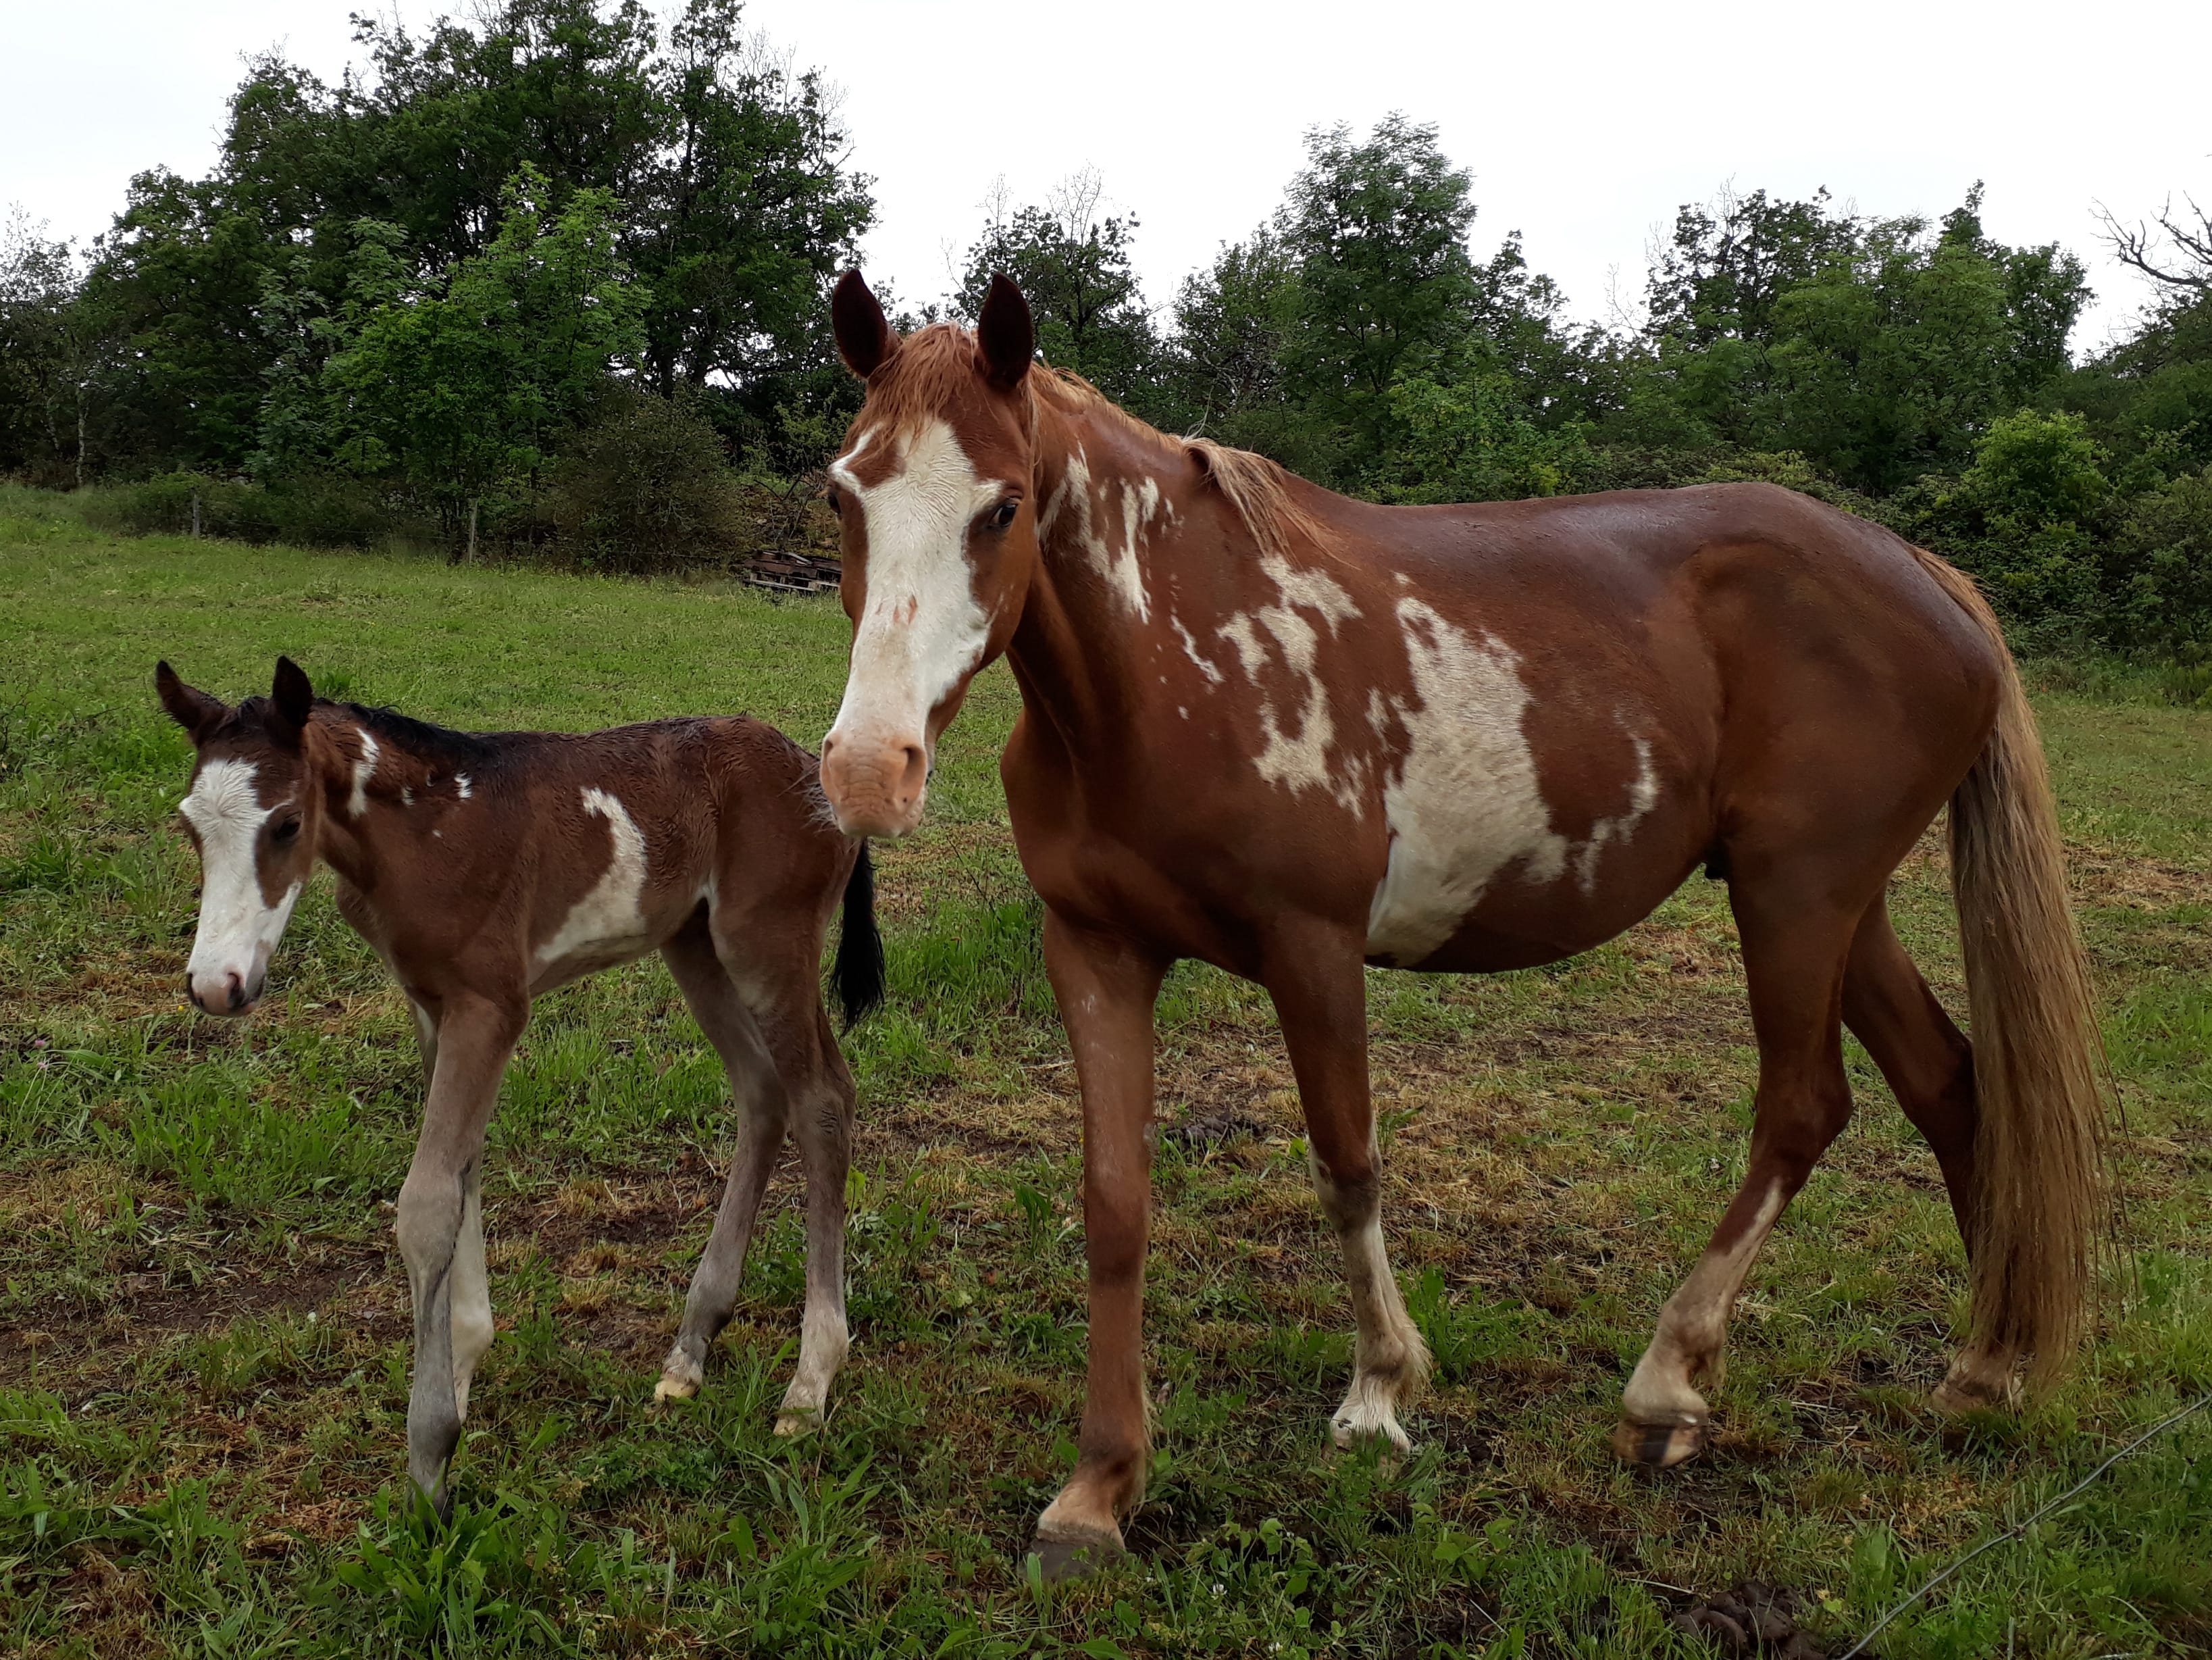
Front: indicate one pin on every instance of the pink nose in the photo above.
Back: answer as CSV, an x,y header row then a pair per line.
x,y
220,994
875,789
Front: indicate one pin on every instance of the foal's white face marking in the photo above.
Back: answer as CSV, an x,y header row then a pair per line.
x,y
611,918
238,926
363,769
923,631
1465,802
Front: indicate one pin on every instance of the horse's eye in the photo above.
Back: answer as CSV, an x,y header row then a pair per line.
x,y
286,833
1003,515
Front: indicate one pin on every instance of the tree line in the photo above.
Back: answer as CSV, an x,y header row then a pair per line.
x,y
555,274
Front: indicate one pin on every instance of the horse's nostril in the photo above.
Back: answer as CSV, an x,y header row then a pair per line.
x,y
237,993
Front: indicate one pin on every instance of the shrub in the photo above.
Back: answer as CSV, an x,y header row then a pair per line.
x,y
2159,573
644,486
313,509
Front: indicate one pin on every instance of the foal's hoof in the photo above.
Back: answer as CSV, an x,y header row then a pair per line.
x,y
680,1380
1659,1446
799,1421
1077,1555
1348,1431
1974,1389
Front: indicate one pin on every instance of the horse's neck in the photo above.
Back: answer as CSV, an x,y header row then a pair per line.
x,y
1090,610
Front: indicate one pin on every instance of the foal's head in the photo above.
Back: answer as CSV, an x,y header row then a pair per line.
x,y
254,811
935,500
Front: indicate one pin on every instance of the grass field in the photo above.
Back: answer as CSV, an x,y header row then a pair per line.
x,y
204,1332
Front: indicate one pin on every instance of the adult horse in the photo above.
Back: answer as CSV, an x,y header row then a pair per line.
x,y
1292,734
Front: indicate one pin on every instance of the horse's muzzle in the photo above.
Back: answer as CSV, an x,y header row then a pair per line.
x,y
874,788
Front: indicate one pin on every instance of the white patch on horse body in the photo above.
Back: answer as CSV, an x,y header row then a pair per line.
x,y
238,926
922,631
1465,802
406,795
1124,574
1297,759
1206,666
1643,796
461,786
363,770
610,919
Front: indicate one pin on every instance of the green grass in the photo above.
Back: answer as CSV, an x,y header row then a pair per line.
x,y
203,1329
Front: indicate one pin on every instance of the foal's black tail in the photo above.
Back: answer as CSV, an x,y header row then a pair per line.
x,y
859,970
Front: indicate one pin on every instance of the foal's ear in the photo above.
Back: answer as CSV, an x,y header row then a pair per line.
x,y
189,707
292,699
865,340
1005,334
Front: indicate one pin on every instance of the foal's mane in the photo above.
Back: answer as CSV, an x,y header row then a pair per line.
x,y
421,740
933,366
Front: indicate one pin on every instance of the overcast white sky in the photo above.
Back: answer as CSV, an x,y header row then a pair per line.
x,y
1584,124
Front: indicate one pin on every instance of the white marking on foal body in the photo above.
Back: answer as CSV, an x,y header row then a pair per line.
x,y
611,918
461,786
1465,802
363,769
922,631
238,926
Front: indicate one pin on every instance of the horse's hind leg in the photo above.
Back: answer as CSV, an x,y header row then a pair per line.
x,y
1320,994
1930,1068
1794,944
761,1111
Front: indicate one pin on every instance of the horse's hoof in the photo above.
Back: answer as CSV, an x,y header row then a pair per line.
x,y
672,1388
802,1421
1349,1432
1957,1397
1077,1556
1659,1446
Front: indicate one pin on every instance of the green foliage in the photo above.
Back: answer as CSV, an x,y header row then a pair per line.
x,y
459,390
2162,572
643,485
1073,266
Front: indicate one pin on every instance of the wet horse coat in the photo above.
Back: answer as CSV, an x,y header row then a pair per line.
x,y
489,868
1290,734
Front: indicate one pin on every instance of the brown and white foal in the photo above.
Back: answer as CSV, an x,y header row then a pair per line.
x,y
488,868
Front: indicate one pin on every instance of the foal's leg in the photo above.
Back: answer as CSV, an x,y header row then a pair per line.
x,y
1930,1068
1318,981
441,1228
807,1055
1794,947
759,1094
1106,988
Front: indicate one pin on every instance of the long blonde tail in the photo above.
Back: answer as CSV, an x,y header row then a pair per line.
x,y
2041,1188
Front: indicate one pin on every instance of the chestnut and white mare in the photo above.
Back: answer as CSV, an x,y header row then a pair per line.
x,y
487,868
1293,734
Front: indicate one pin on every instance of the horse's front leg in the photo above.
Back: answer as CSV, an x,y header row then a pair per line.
x,y
1106,988
441,1229
1316,975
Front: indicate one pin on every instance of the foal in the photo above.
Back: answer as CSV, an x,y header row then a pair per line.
x,y
489,867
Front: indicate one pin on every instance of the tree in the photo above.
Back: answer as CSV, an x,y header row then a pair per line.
x,y
1073,264
1376,234
459,389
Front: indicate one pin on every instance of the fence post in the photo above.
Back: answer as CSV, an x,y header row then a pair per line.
x,y
195,515
472,532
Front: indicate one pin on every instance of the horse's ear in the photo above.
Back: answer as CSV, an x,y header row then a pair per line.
x,y
189,707
865,340
291,698
1005,334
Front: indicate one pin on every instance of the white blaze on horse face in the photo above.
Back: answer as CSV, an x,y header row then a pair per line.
x,y
923,631
609,920
237,927
1465,801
